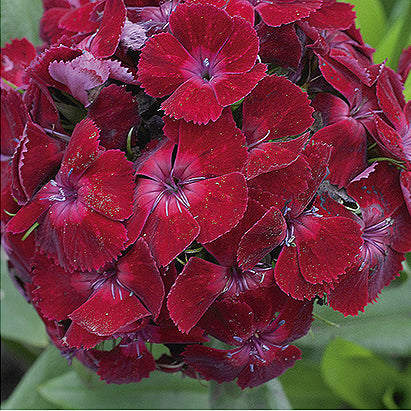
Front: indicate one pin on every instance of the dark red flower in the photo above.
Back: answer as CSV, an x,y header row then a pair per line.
x,y
206,64
261,337
101,302
304,267
394,136
80,211
181,187
387,235
202,282
15,57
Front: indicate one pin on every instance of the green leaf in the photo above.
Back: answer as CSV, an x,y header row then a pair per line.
x,y
371,19
384,327
407,89
26,396
396,38
19,320
229,396
160,391
306,388
20,18
358,376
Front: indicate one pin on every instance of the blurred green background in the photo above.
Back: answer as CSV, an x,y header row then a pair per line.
x,y
359,362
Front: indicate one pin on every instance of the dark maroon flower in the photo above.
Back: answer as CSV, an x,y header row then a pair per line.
x,y
394,136
387,235
95,25
202,282
102,302
15,57
114,112
346,125
304,267
206,64
260,336
181,187
80,211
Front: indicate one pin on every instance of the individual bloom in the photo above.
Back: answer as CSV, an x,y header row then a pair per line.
x,y
202,282
206,64
84,73
387,236
260,324
394,136
15,57
81,210
100,302
346,48
192,190
304,267
347,123
274,110
36,160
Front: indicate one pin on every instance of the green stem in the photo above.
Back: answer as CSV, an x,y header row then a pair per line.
x,y
328,322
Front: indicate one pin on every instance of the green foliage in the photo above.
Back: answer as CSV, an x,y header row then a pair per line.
x,y
27,396
160,391
362,379
228,396
19,321
373,24
20,18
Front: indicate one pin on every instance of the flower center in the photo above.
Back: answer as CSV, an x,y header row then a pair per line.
x,y
375,245
241,281
61,193
205,72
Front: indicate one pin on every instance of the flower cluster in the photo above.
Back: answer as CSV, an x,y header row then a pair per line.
x,y
196,174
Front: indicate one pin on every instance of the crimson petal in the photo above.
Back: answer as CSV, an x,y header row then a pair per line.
x,y
57,293
109,308
106,40
137,272
126,364
258,372
107,185
228,194
266,234
195,289
81,152
114,112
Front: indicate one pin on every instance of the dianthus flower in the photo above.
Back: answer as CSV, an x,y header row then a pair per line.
x,y
81,210
206,64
